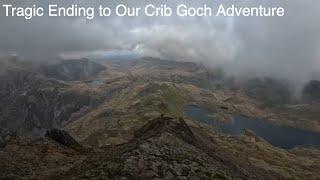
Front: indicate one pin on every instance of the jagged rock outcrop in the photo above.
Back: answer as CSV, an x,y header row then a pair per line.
x,y
166,124
40,158
164,148
63,137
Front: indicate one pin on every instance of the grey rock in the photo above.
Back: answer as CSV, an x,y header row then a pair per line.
x,y
168,176
63,137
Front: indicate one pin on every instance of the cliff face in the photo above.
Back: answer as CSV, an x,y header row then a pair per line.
x,y
32,103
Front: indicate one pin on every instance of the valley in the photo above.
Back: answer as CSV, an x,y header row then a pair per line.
x,y
132,112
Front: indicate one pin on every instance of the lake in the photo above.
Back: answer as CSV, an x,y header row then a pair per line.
x,y
280,136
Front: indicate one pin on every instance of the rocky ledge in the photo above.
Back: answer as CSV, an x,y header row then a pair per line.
x,y
164,148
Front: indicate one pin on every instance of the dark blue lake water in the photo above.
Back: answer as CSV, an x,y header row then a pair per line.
x,y
280,136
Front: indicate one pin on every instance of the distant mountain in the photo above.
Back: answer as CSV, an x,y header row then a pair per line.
x,y
271,92
31,103
311,92
73,70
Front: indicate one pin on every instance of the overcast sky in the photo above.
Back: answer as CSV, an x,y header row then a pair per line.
x,y
286,47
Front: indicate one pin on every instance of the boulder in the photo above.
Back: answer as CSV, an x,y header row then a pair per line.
x,y
63,137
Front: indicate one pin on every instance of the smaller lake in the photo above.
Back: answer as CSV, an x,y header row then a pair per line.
x,y
280,136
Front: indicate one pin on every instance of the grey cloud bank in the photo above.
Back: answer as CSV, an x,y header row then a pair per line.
x,y
285,47
149,10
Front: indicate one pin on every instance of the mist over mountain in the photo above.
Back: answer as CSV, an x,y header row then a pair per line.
x,y
161,97
283,47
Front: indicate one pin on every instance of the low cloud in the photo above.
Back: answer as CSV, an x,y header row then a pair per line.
x,y
286,47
